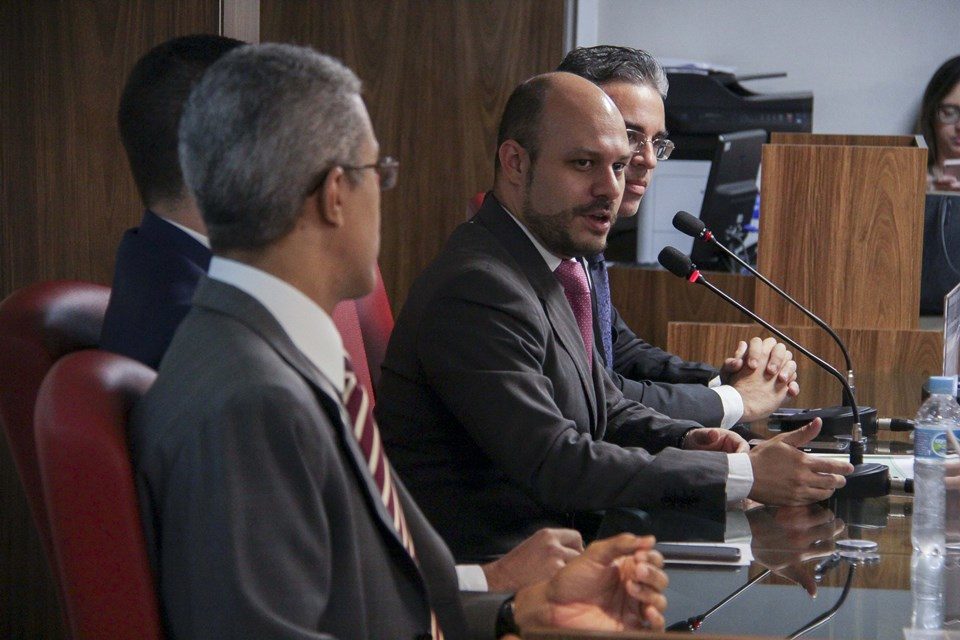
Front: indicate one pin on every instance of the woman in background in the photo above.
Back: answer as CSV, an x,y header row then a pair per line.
x,y
940,125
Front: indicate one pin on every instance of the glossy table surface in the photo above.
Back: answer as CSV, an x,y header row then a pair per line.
x,y
800,568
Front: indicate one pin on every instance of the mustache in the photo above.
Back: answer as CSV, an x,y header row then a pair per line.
x,y
601,204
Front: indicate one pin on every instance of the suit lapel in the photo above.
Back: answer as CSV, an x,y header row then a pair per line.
x,y
224,298
559,314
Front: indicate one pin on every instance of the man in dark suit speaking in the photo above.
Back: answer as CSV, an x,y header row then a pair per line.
x,y
494,405
269,507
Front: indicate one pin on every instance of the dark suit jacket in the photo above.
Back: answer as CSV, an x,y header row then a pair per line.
x,y
261,518
156,272
645,373
489,411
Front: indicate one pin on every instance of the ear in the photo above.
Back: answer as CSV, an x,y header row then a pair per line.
x,y
327,202
514,162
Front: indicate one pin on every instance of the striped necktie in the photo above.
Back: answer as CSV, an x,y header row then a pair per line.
x,y
357,403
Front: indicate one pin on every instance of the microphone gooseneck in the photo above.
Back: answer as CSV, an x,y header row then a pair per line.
x,y
866,479
677,263
694,227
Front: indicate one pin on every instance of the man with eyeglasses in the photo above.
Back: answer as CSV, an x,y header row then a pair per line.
x,y
636,83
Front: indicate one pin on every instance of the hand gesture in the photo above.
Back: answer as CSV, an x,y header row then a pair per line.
x,y
536,558
784,475
766,378
706,439
615,585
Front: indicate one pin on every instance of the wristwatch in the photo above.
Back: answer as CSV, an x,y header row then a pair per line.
x,y
506,623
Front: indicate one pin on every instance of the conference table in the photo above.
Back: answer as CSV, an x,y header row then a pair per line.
x,y
808,567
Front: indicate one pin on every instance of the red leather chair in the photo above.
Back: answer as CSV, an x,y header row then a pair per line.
x,y
90,496
376,325
39,324
474,204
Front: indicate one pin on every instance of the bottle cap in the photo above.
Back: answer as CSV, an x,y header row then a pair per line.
x,y
944,385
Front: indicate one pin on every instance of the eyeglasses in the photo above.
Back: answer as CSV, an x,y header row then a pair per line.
x,y
387,169
662,148
948,114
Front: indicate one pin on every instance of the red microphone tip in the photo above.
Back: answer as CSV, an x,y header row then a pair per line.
x,y
694,276
708,235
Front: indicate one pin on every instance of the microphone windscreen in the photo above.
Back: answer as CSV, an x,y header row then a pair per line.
x,y
688,224
676,262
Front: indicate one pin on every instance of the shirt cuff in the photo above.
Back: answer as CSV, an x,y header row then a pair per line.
x,y
714,382
739,477
470,577
732,405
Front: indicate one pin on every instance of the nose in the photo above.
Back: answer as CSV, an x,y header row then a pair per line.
x,y
647,158
608,184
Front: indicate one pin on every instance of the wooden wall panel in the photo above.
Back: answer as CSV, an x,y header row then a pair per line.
x,y
649,299
843,232
891,365
66,196
437,74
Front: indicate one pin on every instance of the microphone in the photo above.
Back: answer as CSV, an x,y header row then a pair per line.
x,y
867,480
694,227
693,623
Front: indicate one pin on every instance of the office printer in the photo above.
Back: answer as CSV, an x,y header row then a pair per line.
x,y
703,103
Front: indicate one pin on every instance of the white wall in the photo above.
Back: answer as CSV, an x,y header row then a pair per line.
x,y
866,61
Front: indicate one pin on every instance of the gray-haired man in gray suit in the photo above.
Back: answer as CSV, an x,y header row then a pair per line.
x,y
269,508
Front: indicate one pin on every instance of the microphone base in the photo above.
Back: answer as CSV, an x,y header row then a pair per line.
x,y
836,420
868,480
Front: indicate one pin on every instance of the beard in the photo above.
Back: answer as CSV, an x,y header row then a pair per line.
x,y
553,229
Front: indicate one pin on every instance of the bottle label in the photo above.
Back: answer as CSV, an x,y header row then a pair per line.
x,y
932,444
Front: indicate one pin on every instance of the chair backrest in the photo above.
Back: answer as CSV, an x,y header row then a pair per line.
x,y
39,324
376,325
90,496
474,203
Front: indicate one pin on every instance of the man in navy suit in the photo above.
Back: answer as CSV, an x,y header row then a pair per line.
x,y
636,83
159,263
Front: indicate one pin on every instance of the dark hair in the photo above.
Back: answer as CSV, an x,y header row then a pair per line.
x,y
943,81
521,117
150,109
606,63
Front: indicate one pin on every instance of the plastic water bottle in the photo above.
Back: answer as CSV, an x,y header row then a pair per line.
x,y
926,585
930,445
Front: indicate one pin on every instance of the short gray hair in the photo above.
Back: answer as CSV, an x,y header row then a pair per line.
x,y
606,63
257,130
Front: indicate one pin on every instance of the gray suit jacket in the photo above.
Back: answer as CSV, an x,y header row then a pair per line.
x,y
492,416
260,516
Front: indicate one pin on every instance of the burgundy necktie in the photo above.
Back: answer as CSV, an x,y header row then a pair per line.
x,y
357,403
573,278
